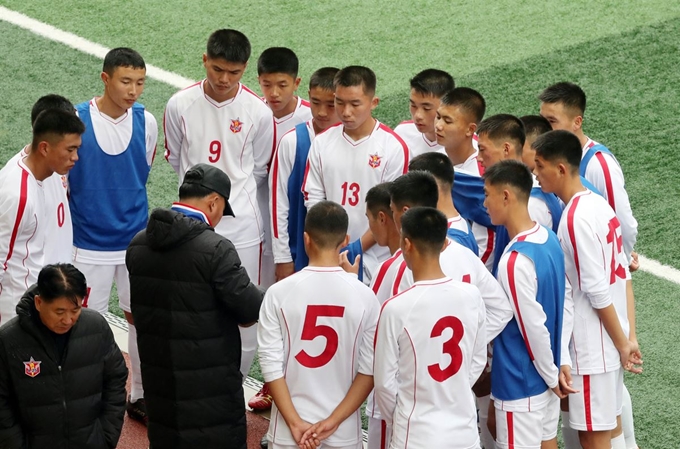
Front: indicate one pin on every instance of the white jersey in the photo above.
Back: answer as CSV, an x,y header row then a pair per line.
x,y
301,114
518,279
342,170
22,234
538,209
596,268
459,223
318,343
58,225
113,137
415,140
461,264
279,204
236,136
430,348
605,173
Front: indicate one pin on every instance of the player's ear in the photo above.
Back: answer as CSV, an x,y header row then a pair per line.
x,y
374,102
578,122
297,82
105,77
472,128
306,240
345,242
43,146
507,149
506,195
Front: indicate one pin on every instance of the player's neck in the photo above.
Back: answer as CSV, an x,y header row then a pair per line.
x,y
445,204
571,187
289,109
362,131
109,108
426,268
582,137
324,258
33,164
462,153
519,221
393,241
431,136
208,90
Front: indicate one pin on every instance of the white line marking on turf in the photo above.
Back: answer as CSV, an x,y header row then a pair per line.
x,y
89,47
173,79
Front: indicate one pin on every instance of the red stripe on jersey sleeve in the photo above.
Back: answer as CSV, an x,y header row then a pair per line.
x,y
304,182
607,179
275,176
397,279
404,147
489,245
513,293
383,271
165,138
572,236
304,102
23,199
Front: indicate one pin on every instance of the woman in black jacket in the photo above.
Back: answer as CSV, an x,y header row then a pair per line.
x,y
62,376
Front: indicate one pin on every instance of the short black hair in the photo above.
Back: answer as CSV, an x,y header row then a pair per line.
x,y
468,100
432,82
326,224
55,122
415,188
569,94
378,199
512,173
437,164
122,57
323,78
504,126
61,280
426,228
278,60
535,125
559,145
51,101
190,190
356,75
230,45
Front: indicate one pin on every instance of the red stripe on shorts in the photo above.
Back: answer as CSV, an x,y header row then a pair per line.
x,y
586,402
511,431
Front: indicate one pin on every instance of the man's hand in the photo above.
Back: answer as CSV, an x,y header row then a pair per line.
x,y
566,383
635,263
298,429
283,270
346,265
318,432
635,359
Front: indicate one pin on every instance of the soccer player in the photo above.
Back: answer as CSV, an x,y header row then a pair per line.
x,y
59,246
348,159
220,121
23,225
430,346
107,191
596,310
524,374
563,105
427,89
287,172
534,126
294,362
277,73
440,167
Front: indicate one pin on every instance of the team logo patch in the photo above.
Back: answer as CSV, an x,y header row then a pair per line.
x,y
64,181
236,126
32,367
374,160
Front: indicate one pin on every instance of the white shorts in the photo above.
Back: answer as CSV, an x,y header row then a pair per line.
x,y
619,392
379,434
593,408
100,279
526,430
322,446
251,260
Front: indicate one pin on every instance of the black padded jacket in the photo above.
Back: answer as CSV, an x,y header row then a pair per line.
x,y
189,293
76,404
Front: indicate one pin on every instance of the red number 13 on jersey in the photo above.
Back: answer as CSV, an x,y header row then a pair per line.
x,y
450,347
350,193
311,330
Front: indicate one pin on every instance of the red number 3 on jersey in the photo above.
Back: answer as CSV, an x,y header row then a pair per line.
x,y
450,347
311,330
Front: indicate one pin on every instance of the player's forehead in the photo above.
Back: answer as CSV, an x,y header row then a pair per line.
x,y
225,65
451,111
424,98
276,78
128,72
555,110
349,93
321,94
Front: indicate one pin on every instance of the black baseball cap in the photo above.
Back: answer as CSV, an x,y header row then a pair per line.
x,y
212,178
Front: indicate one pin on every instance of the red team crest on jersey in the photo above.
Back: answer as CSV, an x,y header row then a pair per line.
x,y
236,126
64,181
32,367
374,160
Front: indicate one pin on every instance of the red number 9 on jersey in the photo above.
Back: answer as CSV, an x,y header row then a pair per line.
x,y
311,330
450,347
215,151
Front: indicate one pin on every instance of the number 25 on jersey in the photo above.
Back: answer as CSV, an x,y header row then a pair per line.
x,y
311,329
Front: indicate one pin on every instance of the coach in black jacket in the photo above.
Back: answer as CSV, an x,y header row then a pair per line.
x,y
62,376
189,294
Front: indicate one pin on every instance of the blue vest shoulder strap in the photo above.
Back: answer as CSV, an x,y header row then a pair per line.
x,y
592,151
297,211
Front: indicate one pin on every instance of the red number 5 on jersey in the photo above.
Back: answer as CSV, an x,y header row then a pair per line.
x,y
311,330
450,347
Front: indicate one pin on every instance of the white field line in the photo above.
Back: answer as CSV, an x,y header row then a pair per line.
x,y
173,79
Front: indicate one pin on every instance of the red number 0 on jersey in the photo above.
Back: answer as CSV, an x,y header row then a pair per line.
x,y
311,330
450,347
353,190
215,151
